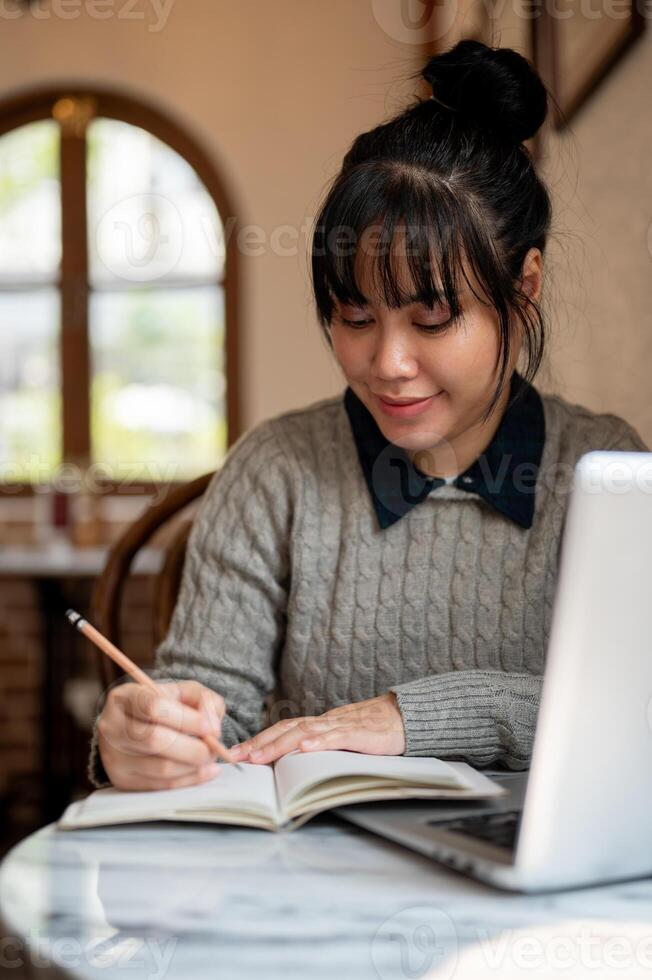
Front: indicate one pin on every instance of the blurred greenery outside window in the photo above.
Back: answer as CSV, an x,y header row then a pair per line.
x,y
154,316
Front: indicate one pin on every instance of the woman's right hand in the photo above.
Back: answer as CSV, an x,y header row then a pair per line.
x,y
149,741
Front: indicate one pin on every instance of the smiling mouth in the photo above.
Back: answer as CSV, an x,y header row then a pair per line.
x,y
404,401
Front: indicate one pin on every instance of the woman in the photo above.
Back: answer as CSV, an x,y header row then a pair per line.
x,y
384,562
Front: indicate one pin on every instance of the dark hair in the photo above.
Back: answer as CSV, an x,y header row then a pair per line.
x,y
452,171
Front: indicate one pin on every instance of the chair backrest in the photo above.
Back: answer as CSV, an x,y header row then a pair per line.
x,y
109,588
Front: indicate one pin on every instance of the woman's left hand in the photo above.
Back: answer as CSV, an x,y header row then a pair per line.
x,y
374,726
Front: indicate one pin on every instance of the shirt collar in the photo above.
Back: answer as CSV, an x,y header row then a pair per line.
x,y
505,475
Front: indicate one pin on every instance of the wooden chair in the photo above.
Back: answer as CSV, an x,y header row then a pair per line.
x,y
108,592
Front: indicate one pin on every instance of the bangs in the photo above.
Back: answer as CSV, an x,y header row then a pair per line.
x,y
407,233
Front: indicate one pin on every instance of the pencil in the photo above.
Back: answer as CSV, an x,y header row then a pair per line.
x,y
129,667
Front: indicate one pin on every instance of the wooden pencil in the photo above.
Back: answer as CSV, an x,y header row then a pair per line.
x,y
216,748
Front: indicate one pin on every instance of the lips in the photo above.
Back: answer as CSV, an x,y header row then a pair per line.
x,y
405,409
403,401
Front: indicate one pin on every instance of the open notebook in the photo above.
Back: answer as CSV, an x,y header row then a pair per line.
x,y
286,794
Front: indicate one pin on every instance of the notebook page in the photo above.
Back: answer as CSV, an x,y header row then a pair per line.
x,y
251,790
298,771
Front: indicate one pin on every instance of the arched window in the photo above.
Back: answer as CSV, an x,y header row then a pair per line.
x,y
117,295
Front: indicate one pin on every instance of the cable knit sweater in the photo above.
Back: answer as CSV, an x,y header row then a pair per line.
x,y
293,600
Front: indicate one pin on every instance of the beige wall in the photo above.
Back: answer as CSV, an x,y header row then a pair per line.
x,y
600,261
276,90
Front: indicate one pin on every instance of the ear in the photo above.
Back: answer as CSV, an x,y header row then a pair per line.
x,y
532,274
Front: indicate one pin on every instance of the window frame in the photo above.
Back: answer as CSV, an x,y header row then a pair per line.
x,y
73,282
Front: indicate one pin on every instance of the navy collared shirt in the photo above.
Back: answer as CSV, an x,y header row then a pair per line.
x,y
504,475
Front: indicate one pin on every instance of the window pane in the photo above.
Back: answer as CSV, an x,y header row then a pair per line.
x,y
149,217
30,427
158,382
30,215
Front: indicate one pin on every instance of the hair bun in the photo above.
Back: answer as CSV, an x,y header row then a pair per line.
x,y
493,88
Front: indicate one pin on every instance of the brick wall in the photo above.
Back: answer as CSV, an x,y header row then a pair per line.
x,y
20,683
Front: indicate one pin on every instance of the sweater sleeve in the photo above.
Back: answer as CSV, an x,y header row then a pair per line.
x,y
475,716
228,624
626,439
484,716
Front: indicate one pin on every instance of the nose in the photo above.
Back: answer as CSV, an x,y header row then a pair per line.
x,y
393,356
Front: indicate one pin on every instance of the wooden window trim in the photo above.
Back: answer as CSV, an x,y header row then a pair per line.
x,y
37,105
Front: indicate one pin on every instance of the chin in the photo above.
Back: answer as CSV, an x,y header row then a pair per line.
x,y
414,440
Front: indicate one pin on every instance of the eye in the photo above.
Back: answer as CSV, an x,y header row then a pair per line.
x,y
429,328
355,323
433,328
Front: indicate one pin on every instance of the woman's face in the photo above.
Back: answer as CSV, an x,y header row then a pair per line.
x,y
445,372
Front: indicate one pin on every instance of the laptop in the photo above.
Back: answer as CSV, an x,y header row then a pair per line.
x,y
581,815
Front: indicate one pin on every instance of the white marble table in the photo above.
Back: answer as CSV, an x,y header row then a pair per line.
x,y
188,901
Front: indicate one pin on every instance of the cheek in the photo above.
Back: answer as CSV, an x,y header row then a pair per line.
x,y
465,358
348,350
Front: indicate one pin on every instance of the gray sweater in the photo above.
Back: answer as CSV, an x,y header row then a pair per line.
x,y
293,600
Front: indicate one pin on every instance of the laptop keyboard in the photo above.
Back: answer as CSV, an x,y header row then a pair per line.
x,y
497,828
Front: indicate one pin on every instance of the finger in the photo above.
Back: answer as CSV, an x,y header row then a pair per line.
x,y
212,707
290,740
125,768
270,735
148,707
265,737
165,769
209,703
140,738
143,781
195,697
